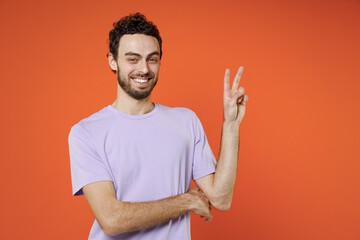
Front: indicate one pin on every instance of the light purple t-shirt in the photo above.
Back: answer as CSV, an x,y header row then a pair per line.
x,y
148,157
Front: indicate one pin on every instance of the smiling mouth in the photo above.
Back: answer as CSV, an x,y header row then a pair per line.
x,y
141,80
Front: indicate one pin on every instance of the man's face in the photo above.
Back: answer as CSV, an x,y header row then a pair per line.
x,y
138,64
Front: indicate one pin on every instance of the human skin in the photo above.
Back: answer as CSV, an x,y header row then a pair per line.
x,y
134,65
219,186
133,70
138,58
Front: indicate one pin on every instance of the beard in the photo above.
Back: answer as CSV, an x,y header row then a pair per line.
x,y
125,84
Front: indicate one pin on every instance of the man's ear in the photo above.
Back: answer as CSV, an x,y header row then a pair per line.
x,y
112,62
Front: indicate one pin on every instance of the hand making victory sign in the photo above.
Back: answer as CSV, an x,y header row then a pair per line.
x,y
234,98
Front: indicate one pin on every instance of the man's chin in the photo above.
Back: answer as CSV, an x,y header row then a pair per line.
x,y
140,95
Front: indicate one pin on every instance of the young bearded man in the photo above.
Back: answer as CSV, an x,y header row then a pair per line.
x,y
134,159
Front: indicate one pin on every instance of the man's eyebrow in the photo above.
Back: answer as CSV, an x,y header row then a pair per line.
x,y
137,54
154,53
132,54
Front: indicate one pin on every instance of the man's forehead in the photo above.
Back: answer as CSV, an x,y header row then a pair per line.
x,y
139,43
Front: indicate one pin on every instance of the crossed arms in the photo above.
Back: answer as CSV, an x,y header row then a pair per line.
x,y
115,217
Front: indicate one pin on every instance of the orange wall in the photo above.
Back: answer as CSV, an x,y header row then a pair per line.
x,y
298,175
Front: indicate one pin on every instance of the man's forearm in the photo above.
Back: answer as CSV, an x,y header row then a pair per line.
x,y
225,175
135,216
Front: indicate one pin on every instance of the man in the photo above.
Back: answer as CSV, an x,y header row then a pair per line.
x,y
134,159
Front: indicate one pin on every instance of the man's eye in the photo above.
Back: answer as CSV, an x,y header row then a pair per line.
x,y
153,60
132,59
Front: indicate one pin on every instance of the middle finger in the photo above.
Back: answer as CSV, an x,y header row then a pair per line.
x,y
237,78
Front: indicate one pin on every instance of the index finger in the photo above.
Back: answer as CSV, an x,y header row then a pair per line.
x,y
227,80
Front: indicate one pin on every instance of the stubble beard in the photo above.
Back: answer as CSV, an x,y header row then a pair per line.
x,y
125,84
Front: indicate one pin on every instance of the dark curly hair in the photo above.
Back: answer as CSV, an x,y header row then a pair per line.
x,y
132,24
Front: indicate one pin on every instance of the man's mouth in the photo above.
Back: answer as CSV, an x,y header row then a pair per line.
x,y
141,80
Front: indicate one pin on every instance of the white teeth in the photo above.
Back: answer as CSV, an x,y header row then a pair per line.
x,y
141,80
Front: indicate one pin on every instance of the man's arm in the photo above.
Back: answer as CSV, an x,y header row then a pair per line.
x,y
115,217
219,186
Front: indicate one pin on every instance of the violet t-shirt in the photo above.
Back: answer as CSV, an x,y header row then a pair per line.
x,y
148,157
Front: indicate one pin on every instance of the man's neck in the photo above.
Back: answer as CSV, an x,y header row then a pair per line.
x,y
132,106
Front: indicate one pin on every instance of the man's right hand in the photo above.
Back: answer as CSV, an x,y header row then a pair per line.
x,y
200,204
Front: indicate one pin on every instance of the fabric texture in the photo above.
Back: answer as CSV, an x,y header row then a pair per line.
x,y
148,157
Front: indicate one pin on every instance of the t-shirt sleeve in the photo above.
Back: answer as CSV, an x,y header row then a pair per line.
x,y
204,160
85,162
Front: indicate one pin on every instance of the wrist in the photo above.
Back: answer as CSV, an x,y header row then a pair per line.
x,y
231,125
187,201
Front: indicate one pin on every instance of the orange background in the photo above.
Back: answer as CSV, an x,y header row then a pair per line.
x,y
299,169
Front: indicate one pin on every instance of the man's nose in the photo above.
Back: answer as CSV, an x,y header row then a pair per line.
x,y
144,68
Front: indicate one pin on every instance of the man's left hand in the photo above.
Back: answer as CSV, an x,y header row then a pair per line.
x,y
234,98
